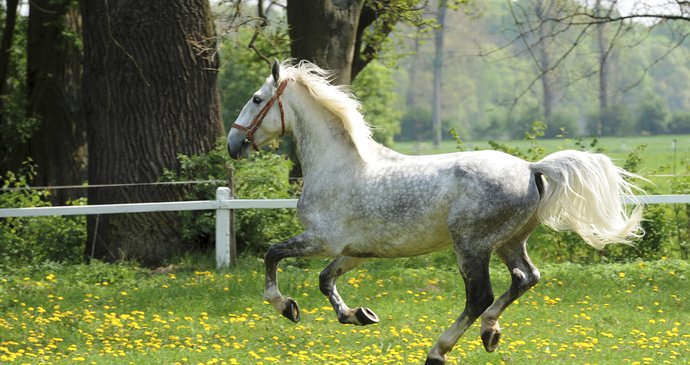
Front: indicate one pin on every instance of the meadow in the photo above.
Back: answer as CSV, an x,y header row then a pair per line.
x,y
661,156
190,313
635,313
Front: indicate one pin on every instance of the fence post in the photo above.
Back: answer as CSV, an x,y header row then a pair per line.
x,y
233,238
222,230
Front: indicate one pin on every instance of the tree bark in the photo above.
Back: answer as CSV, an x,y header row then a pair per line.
x,y
324,32
543,10
58,147
603,66
11,154
6,44
151,92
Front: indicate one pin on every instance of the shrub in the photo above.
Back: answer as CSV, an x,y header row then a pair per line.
x,y
680,123
34,240
263,175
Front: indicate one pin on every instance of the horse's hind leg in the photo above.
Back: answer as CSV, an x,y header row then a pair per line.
x,y
298,246
474,267
524,276
360,316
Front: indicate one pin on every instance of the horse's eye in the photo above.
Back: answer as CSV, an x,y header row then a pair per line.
x,y
257,100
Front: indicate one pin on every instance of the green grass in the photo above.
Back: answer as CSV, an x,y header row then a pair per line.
x,y
635,313
658,158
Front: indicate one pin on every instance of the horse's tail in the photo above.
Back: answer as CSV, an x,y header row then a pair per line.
x,y
586,193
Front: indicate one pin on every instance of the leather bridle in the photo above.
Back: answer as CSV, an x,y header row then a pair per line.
x,y
259,118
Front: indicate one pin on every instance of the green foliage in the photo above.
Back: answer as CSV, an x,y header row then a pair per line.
x,y
679,123
15,127
616,120
33,240
651,116
416,124
492,86
534,151
563,123
375,87
263,175
243,70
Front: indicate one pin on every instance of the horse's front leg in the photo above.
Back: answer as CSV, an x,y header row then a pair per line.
x,y
359,316
299,246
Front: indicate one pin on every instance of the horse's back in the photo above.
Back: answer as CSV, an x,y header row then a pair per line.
x,y
410,205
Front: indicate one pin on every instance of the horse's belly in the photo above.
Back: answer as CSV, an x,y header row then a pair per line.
x,y
400,242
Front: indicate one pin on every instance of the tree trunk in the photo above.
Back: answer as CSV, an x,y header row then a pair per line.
x,y
603,67
324,32
58,147
543,11
12,152
438,67
6,44
151,92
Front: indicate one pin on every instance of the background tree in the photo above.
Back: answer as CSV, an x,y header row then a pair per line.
x,y
58,146
496,88
15,130
6,44
325,32
438,68
344,36
150,86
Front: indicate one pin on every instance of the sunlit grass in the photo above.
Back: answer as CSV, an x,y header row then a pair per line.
x,y
633,313
659,157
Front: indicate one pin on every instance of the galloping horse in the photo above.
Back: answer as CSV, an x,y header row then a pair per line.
x,y
362,200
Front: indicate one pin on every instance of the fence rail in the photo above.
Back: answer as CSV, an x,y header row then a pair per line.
x,y
223,205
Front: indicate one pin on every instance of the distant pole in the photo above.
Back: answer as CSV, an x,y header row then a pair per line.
x,y
675,151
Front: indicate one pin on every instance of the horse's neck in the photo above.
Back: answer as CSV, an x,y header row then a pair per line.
x,y
322,142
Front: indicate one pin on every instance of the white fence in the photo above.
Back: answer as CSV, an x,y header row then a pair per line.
x,y
223,205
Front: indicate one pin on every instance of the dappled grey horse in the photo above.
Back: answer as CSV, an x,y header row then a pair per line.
x,y
363,200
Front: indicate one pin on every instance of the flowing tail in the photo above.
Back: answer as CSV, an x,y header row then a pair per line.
x,y
585,192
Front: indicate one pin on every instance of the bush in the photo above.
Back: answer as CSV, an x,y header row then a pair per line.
x,y
680,123
416,125
263,175
34,240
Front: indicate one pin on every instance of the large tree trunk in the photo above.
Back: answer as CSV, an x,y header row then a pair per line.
x,y
6,43
324,32
11,154
150,85
53,76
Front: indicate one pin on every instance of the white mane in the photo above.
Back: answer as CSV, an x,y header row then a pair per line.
x,y
339,100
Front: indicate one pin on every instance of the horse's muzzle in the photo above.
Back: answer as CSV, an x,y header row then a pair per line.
x,y
238,149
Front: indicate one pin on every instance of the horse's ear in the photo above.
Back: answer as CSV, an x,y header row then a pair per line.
x,y
275,70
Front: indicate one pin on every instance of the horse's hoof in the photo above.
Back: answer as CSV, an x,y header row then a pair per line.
x,y
490,339
434,361
291,310
366,316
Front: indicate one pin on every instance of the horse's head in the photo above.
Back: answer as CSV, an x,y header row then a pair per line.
x,y
261,119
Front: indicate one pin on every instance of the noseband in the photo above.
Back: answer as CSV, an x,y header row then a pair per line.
x,y
259,118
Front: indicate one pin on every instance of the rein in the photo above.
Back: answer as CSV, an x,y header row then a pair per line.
x,y
259,118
